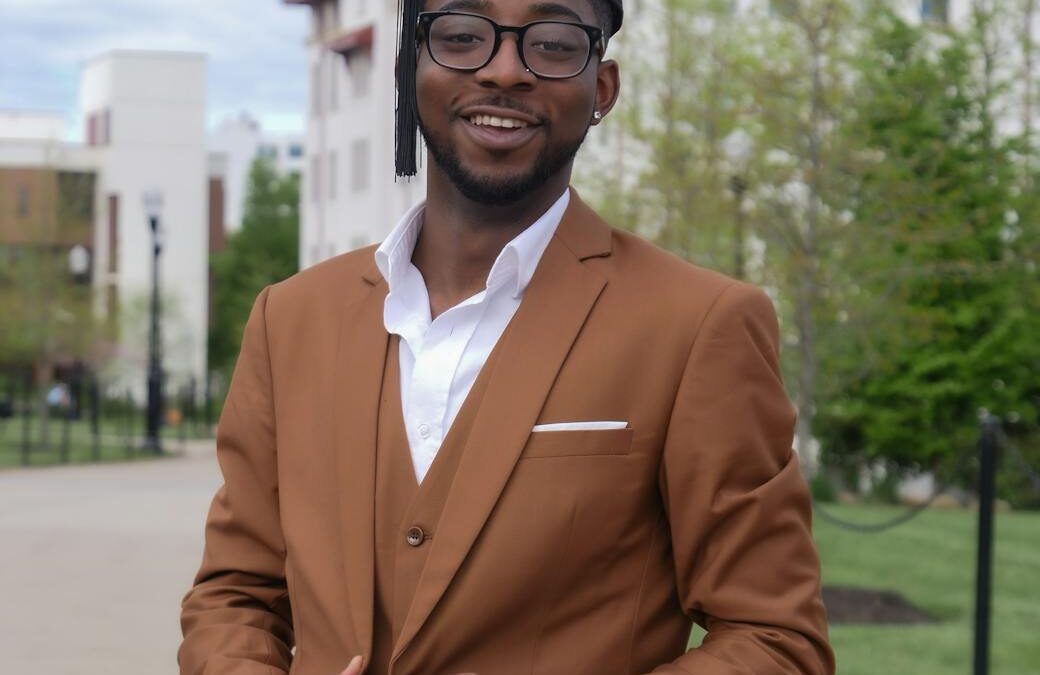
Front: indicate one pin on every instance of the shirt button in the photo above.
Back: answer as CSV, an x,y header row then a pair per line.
x,y
424,430
415,536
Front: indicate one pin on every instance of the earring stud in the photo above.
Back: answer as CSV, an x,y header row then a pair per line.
x,y
597,115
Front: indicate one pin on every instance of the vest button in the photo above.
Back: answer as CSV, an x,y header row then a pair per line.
x,y
415,536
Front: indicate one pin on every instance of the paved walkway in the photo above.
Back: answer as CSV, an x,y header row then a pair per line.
x,y
94,561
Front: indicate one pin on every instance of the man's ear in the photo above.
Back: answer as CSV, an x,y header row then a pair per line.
x,y
608,86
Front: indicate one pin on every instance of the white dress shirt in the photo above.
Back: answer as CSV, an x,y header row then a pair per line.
x,y
440,359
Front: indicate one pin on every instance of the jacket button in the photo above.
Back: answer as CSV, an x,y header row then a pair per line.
x,y
415,536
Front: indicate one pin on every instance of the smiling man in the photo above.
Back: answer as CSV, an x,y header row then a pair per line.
x,y
509,439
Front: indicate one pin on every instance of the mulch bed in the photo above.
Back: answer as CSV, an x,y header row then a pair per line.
x,y
848,605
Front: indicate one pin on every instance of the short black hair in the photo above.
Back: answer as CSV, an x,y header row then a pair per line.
x,y
603,10
604,17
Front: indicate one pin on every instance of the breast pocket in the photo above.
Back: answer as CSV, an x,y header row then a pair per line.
x,y
581,443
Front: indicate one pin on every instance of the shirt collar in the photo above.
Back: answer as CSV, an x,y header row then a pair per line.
x,y
514,266
394,255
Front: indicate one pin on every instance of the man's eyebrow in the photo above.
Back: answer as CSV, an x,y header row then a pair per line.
x,y
555,9
471,5
540,9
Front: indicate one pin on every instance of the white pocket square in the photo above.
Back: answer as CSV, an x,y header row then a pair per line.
x,y
580,426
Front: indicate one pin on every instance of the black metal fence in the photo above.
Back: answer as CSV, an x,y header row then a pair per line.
x,y
85,419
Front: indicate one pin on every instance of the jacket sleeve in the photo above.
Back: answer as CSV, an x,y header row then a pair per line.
x,y
236,618
738,507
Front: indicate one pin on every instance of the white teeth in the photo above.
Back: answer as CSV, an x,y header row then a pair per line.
x,y
492,121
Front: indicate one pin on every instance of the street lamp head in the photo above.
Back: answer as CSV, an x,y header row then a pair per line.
x,y
79,260
153,203
738,146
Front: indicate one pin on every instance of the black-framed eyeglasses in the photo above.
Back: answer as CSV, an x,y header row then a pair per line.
x,y
554,50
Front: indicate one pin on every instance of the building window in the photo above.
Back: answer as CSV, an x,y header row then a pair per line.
x,y
99,127
333,174
267,151
112,308
295,151
935,10
316,88
359,165
23,201
331,18
113,234
92,129
315,178
333,86
106,127
76,197
360,65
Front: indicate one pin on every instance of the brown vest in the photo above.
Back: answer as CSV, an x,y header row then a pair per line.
x,y
401,505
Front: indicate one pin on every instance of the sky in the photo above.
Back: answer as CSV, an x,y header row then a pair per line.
x,y
256,52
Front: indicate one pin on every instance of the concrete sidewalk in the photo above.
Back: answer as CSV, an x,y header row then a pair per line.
x,y
94,561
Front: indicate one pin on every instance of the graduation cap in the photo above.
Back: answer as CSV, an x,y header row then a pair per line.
x,y
406,139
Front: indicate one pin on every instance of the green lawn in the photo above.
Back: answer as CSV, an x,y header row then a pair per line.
x,y
931,561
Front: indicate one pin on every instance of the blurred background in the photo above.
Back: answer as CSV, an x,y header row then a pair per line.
x,y
872,164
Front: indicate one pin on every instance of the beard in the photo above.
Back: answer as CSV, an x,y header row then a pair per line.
x,y
506,190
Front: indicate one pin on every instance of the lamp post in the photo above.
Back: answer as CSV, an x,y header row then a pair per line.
x,y
738,185
737,147
153,202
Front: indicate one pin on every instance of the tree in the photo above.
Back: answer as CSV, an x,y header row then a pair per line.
x,y
939,273
264,251
801,88
892,215
665,171
45,305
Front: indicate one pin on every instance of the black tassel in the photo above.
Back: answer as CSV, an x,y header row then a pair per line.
x,y
406,139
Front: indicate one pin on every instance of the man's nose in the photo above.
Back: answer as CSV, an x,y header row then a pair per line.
x,y
506,69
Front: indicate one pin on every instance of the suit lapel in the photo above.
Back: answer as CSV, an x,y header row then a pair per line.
x,y
359,375
532,351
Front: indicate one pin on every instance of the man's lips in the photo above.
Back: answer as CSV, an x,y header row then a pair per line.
x,y
491,115
498,129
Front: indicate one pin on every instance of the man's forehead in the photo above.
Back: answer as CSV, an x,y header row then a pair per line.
x,y
577,10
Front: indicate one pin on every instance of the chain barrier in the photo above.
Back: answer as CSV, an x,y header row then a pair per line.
x,y
909,514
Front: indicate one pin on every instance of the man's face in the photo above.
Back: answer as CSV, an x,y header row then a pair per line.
x,y
501,132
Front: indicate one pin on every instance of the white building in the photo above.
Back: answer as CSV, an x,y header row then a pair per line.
x,y
145,130
240,140
32,125
350,196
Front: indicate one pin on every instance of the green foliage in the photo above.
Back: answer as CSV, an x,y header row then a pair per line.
x,y
262,252
822,488
931,258
889,210
46,315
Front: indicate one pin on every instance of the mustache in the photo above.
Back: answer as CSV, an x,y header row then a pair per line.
x,y
500,101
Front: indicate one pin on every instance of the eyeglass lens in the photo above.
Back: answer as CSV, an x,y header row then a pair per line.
x,y
468,43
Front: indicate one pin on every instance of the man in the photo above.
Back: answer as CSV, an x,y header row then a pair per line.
x,y
510,439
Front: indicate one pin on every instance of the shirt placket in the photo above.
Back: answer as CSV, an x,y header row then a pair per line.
x,y
434,371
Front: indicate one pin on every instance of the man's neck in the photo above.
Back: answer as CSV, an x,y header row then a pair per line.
x,y
460,239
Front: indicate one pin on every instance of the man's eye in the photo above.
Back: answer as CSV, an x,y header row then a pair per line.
x,y
461,39
555,46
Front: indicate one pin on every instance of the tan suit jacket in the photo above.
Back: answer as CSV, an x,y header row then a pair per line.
x,y
568,552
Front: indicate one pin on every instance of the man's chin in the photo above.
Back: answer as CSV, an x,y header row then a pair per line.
x,y
496,185
496,190
491,186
